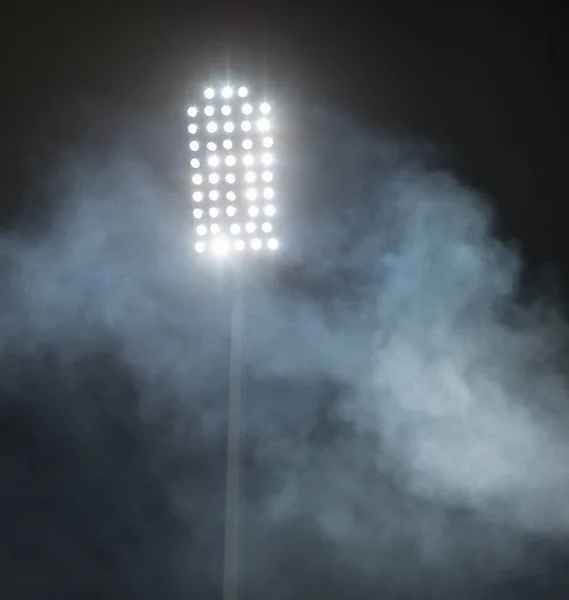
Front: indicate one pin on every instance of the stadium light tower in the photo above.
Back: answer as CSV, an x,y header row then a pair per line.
x,y
231,158
231,164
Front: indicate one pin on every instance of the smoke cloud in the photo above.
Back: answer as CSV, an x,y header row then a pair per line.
x,y
405,410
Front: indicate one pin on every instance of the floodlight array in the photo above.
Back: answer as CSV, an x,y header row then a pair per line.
x,y
231,164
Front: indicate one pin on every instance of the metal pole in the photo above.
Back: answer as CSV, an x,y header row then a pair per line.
x,y
231,567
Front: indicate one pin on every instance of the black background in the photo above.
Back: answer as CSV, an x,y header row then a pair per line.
x,y
486,83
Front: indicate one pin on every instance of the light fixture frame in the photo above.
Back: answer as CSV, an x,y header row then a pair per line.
x,y
234,186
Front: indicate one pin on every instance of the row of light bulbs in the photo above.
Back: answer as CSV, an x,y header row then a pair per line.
x,y
221,246
231,211
246,144
214,178
235,228
225,110
229,126
251,194
228,144
226,92
230,160
249,176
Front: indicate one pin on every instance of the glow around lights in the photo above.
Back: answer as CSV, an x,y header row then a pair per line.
x,y
200,247
247,144
250,227
248,160
192,112
214,228
250,177
242,92
227,144
212,146
246,109
220,246
266,227
208,111
267,158
212,126
194,145
246,126
201,229
209,93
214,195
230,178
226,110
198,213
213,178
214,212
230,160
231,210
213,161
227,92
231,196
263,124
267,176
251,194
228,127
256,244
197,196
235,229
265,108
197,179
239,245
195,163
272,244
269,210
253,211
192,128
268,193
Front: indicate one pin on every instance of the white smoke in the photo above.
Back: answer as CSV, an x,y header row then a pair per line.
x,y
445,395
466,389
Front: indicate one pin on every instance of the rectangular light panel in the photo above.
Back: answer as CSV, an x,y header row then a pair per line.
x,y
231,164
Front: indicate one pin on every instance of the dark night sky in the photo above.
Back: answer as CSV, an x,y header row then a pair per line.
x,y
485,80
90,483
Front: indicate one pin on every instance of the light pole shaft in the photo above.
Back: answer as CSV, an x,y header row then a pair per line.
x,y
231,566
